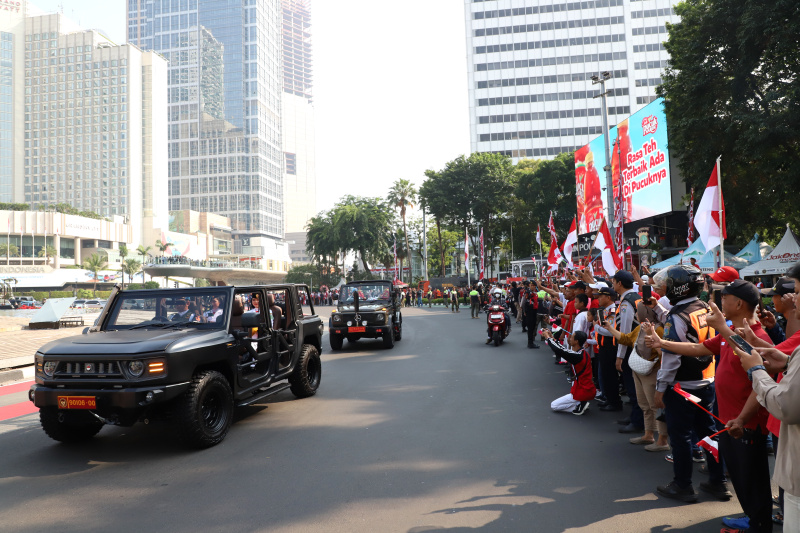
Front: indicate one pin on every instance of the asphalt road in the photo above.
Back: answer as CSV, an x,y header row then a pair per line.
x,y
442,433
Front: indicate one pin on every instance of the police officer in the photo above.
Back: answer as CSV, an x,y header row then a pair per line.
x,y
530,306
686,322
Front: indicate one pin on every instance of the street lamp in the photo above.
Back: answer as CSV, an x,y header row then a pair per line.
x,y
311,281
605,76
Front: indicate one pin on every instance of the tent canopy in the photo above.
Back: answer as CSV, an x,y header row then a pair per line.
x,y
707,263
783,257
754,250
52,311
696,250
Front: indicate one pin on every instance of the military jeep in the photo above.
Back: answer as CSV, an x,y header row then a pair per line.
x,y
187,355
366,309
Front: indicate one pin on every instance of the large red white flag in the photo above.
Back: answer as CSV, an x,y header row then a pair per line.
x,y
604,243
466,249
569,243
483,270
539,234
554,258
710,216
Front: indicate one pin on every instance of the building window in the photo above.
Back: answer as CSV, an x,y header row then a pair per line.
x,y
291,163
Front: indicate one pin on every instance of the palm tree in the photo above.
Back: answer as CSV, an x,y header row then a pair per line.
x,y
402,195
9,250
95,264
130,267
47,251
162,246
123,253
144,252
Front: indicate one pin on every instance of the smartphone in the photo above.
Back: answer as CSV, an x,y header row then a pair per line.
x,y
718,298
647,293
742,344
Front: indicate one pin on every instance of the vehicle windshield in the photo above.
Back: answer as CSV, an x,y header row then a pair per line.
x,y
165,309
378,292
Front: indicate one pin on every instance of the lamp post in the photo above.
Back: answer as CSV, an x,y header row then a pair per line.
x,y
605,76
311,282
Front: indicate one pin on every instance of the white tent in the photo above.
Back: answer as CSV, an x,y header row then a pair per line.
x,y
754,251
696,250
786,254
707,263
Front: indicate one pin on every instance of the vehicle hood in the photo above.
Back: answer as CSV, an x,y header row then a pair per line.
x,y
363,307
133,342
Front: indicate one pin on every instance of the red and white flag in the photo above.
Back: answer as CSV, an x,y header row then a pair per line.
x,y
539,234
619,217
712,446
554,258
604,243
690,234
691,397
569,243
551,227
710,217
483,270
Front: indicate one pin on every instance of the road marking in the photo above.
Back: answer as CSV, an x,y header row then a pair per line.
x,y
16,387
17,409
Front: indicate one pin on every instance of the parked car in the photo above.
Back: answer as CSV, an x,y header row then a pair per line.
x,y
95,304
78,304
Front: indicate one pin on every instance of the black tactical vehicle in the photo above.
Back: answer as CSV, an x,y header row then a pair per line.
x,y
189,355
368,309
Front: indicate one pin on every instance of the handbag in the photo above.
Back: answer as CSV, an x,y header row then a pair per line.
x,y
640,365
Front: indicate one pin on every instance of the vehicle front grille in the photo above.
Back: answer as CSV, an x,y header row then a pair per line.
x,y
88,369
373,319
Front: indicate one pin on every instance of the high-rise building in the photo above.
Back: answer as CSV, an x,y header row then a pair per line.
x,y
300,181
90,116
224,98
530,65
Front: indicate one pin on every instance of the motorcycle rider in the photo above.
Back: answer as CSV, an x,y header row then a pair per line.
x,y
494,307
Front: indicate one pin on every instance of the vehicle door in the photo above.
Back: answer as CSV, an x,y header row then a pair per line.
x,y
253,345
284,310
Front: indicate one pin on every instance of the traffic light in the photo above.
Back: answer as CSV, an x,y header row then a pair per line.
x,y
176,284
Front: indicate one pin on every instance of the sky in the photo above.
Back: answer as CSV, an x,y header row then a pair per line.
x,y
390,87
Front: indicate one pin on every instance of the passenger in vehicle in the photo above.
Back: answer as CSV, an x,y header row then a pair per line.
x,y
215,313
275,312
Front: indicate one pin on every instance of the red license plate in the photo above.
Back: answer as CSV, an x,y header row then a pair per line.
x,y
356,330
77,402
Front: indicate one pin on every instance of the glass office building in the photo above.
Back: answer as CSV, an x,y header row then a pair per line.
x,y
224,101
530,65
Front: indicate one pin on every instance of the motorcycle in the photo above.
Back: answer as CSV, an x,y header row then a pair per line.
x,y
498,323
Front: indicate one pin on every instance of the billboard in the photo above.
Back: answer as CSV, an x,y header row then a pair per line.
x,y
639,156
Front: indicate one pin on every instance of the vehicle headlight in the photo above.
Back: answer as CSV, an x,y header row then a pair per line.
x,y
49,368
363,322
136,368
349,322
336,318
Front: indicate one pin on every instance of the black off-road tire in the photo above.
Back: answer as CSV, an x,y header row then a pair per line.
x,y
399,333
388,340
68,427
336,341
307,375
203,414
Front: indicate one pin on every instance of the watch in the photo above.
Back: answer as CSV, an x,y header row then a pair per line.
x,y
753,369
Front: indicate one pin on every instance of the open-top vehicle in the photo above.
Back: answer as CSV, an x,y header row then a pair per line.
x,y
190,355
366,309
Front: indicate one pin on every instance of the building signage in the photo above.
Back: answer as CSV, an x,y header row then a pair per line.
x,y
82,227
10,5
33,269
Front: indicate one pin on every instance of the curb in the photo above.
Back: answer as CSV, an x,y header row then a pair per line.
x,y
16,374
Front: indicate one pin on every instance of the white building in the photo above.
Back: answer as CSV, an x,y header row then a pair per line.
x,y
530,65
94,123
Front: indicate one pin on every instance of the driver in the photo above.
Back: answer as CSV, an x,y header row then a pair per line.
x,y
183,313
506,322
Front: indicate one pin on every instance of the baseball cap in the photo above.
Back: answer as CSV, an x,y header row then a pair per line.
x,y
744,290
782,286
599,285
579,285
624,277
570,284
608,291
724,274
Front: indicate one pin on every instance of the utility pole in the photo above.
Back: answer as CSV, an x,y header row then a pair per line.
x,y
605,76
424,245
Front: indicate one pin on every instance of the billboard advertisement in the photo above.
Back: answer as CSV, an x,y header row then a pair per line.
x,y
639,160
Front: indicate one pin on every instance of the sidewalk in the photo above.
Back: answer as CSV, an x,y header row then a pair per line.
x,y
18,345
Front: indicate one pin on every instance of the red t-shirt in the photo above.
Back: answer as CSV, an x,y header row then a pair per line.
x,y
787,347
731,383
593,304
570,310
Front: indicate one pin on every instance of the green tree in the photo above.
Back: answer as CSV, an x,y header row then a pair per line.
x,y
542,187
162,246
48,251
320,274
123,253
321,241
732,88
401,196
94,264
447,240
9,250
143,251
131,267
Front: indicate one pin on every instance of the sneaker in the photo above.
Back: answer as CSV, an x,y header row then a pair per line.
x,y
718,490
582,408
740,522
672,490
698,456
668,458
535,346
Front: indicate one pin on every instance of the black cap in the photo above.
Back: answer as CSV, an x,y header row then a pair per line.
x,y
783,286
744,290
579,285
608,291
624,277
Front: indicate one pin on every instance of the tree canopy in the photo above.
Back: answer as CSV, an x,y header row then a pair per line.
x,y
732,88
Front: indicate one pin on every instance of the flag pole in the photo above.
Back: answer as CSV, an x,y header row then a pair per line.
x,y
721,216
